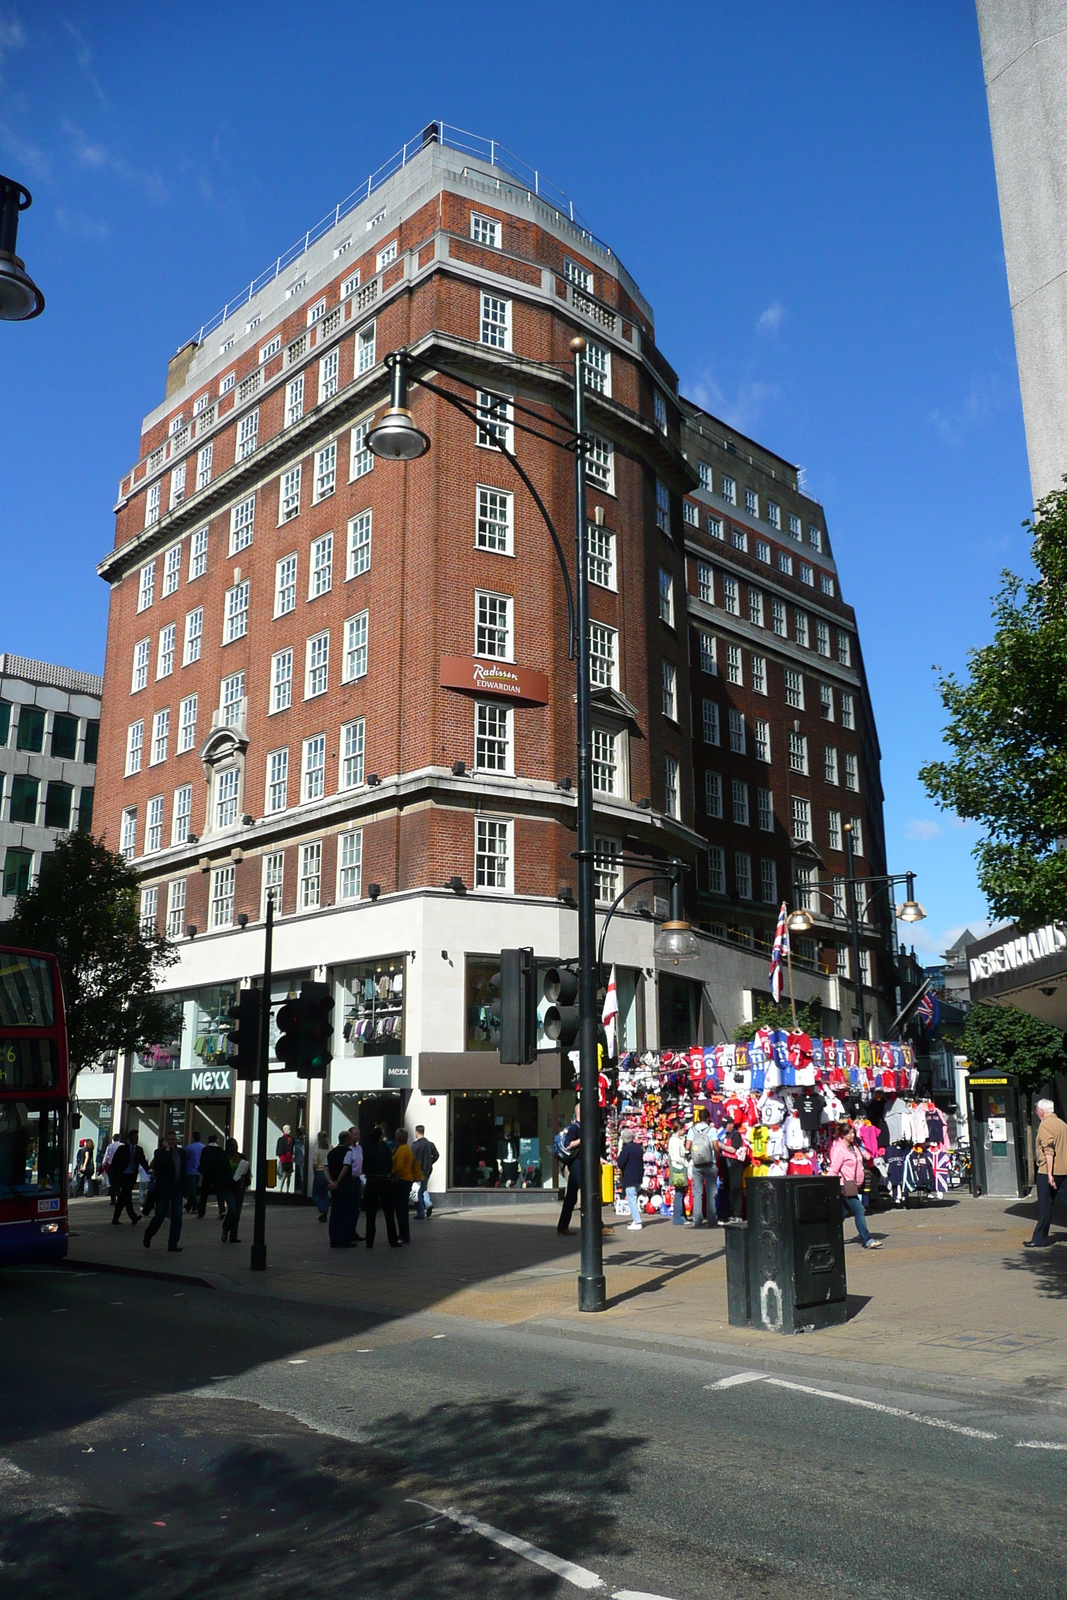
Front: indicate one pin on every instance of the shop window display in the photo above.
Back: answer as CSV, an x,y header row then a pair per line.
x,y
502,1140
371,1003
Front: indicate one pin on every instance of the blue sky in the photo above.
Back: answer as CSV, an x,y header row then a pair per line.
x,y
805,193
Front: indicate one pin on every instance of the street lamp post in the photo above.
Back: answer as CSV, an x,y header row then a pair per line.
x,y
801,920
396,437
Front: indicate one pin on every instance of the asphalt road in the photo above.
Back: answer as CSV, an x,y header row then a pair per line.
x,y
168,1440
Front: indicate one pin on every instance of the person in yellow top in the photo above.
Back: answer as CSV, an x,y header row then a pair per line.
x,y
406,1171
1050,1159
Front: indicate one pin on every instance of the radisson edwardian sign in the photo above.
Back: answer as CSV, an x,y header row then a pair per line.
x,y
500,679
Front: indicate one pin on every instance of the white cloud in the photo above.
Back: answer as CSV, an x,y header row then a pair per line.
x,y
984,398
83,227
744,411
92,154
84,57
33,162
771,320
12,35
923,828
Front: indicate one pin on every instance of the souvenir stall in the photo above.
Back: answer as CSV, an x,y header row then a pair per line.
x,y
775,1102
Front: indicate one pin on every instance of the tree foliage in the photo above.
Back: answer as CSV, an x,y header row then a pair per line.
x,y
1008,769
768,1015
1003,1039
84,909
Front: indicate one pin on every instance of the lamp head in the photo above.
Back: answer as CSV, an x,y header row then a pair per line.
x,y
911,911
676,942
20,298
395,437
800,921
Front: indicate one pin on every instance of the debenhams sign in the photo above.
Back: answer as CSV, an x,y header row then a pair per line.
x,y
1020,952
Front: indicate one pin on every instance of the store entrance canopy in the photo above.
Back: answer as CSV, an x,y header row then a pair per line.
x,y
1028,970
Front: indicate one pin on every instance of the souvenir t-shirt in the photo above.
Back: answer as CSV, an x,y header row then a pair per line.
x,y
809,1108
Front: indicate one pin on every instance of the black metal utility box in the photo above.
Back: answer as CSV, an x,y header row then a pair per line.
x,y
785,1266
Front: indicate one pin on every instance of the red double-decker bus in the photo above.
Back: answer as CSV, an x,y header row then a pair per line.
x,y
34,1108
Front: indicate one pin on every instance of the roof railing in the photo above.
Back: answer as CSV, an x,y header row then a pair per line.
x,y
458,139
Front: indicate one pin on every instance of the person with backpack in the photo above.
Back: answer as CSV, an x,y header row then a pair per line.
x,y
701,1149
427,1155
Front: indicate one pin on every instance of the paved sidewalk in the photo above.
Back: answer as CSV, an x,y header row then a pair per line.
x,y
952,1300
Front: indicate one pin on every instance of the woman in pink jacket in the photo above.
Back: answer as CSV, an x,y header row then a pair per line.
x,y
846,1165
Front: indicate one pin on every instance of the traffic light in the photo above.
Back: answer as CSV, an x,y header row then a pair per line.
x,y
287,1048
561,1018
518,1006
316,1031
244,1033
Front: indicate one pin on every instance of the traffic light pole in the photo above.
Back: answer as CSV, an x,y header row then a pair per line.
x,y
258,1262
592,1291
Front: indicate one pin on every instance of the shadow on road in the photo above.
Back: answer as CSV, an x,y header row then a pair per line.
x,y
674,1267
226,1501
1047,1269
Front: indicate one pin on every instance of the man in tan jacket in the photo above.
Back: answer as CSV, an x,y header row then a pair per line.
x,y
1050,1159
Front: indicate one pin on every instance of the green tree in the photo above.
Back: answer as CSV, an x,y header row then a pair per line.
x,y
768,1015
84,908
1008,768
1003,1039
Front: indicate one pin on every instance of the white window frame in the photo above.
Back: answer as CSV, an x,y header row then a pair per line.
x,y
755,607
142,652
146,586
495,419
128,833
729,489
242,524
151,503
852,771
160,737
743,874
235,624
329,374
801,818
607,869
731,596
494,743
247,435
273,881
294,400
596,368
276,790
765,810
313,768
736,720
708,649
761,739
666,597
366,347
181,821
356,656
794,689
710,722
134,747
281,680
325,478
350,865
153,826
198,554
176,908
317,665
739,802
735,671
672,796
289,494
706,582
778,619
758,664
603,655
226,797
485,230
352,758
829,764
286,570
713,794
669,677
494,321
752,502
172,569
205,457
600,463
360,459
494,625
221,902
716,869
165,651
768,873
359,545
320,566
187,714
848,710
834,834
494,868
494,520
663,507
798,752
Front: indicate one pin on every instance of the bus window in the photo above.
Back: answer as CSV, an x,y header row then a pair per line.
x,y
30,1149
25,992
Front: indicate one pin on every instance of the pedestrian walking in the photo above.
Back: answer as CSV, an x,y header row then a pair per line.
x,y
1050,1161
320,1189
378,1193
105,1166
846,1165
406,1171
427,1155
678,1172
631,1164
571,1155
240,1173
283,1152
125,1165
193,1151
215,1175
341,1234
84,1167
168,1170
734,1150
701,1149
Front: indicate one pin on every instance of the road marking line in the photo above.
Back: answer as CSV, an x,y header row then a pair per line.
x,y
1038,1444
636,1594
889,1411
736,1378
298,1361
581,1577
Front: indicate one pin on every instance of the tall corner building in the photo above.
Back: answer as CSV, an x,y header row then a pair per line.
x,y
313,656
1024,60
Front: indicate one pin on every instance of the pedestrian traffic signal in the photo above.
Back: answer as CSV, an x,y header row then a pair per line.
x,y
287,1048
518,1006
316,1032
244,1033
561,1019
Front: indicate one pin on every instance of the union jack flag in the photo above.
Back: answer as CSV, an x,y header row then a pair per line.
x,y
929,1010
778,954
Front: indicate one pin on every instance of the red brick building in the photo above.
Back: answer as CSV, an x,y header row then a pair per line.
x,y
286,611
